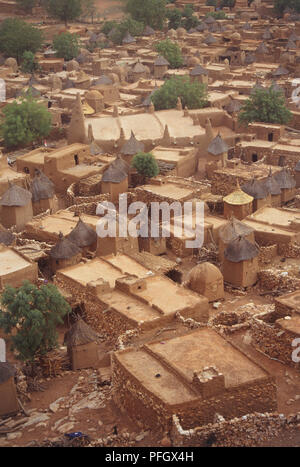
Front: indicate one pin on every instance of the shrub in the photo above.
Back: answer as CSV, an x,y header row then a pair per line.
x,y
192,94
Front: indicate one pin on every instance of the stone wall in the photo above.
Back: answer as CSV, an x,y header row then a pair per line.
x,y
272,340
249,430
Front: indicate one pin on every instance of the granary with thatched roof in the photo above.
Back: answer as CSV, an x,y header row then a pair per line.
x,y
238,204
232,230
6,236
161,66
199,74
115,179
83,236
81,342
240,265
259,192
65,253
43,194
218,150
8,394
131,147
16,207
287,184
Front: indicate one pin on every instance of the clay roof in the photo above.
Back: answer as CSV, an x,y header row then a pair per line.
x,y
238,198
6,237
201,274
64,249
217,146
16,196
6,371
161,61
281,71
233,230
42,187
80,334
272,185
240,249
148,31
198,70
132,146
256,189
82,235
128,39
285,179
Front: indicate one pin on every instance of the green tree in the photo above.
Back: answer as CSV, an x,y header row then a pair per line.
x,y
89,9
265,105
29,64
17,36
171,51
149,12
281,5
192,94
34,313
65,10
217,14
24,121
66,45
145,164
174,16
108,26
26,5
118,31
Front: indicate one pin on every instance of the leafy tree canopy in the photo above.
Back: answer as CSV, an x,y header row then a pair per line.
x,y
29,64
66,45
145,164
17,36
34,313
65,10
149,12
265,105
24,121
192,94
282,5
171,51
26,5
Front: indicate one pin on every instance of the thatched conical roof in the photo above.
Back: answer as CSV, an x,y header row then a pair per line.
x,y
272,185
82,235
80,334
233,230
42,187
16,196
128,39
198,71
115,173
132,146
217,146
256,189
161,61
240,249
285,179
148,31
6,237
233,106
7,371
64,249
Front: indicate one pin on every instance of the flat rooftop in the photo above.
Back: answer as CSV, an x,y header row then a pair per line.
x,y
169,190
184,355
291,324
278,217
247,172
290,300
11,261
